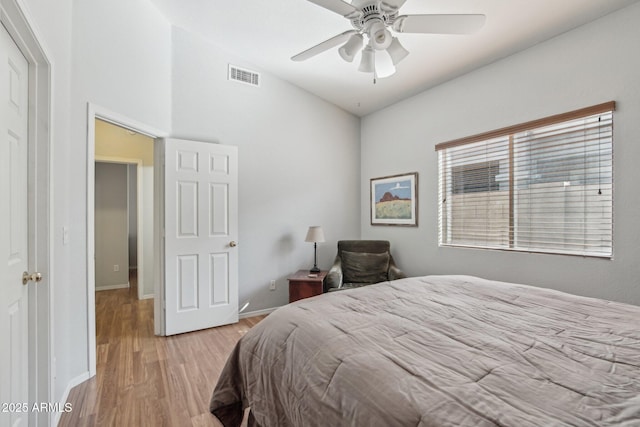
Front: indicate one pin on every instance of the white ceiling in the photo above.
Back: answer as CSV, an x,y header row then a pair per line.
x,y
268,32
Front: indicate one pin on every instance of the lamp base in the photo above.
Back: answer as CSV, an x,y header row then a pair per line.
x,y
315,269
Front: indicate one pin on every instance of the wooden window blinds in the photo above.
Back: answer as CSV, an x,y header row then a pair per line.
x,y
542,186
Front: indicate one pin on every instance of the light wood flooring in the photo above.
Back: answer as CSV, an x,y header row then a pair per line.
x,y
144,380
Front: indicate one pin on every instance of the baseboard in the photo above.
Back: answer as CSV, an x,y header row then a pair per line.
x,y
112,287
65,396
257,312
148,296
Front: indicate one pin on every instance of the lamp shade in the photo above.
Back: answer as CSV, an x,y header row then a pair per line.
x,y
397,51
379,36
351,47
367,63
315,234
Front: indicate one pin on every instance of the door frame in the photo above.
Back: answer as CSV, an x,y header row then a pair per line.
x,y
14,17
96,112
139,202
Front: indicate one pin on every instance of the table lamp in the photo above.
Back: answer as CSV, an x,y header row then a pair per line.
x,y
315,235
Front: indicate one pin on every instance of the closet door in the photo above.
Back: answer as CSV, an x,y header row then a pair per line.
x,y
14,235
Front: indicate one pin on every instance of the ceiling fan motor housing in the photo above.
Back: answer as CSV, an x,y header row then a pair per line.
x,y
374,22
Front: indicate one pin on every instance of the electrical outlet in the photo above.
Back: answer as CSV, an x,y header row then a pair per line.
x,y
272,285
116,267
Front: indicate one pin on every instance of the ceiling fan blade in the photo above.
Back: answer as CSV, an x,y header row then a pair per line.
x,y
338,6
439,24
393,4
325,45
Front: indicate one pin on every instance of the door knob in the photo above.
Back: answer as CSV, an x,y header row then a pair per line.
x,y
33,277
233,244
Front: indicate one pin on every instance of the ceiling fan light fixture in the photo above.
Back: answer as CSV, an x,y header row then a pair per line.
x,y
349,50
396,51
376,20
379,36
367,63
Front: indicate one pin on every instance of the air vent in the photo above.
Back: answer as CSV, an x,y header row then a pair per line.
x,y
244,76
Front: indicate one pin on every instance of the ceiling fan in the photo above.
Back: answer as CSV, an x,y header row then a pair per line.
x,y
375,20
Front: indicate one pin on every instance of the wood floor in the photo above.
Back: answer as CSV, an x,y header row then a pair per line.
x,y
144,380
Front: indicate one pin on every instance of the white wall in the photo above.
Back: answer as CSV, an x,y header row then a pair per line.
x,y
122,63
589,65
298,163
122,59
111,229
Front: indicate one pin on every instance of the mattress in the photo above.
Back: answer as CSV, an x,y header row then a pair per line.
x,y
437,351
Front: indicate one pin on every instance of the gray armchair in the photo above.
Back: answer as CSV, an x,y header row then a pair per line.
x,y
360,263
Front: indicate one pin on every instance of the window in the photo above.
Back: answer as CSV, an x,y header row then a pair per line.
x,y
543,186
475,178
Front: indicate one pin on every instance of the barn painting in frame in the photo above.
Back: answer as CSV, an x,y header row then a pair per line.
x,y
394,200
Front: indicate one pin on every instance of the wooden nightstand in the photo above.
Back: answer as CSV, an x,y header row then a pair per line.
x,y
301,285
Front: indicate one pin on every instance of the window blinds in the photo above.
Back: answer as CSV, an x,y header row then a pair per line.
x,y
542,186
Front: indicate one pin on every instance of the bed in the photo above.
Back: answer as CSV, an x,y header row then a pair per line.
x,y
437,351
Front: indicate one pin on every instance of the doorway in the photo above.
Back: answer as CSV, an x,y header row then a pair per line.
x,y
115,139
123,209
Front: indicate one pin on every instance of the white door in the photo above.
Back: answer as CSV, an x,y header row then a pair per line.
x,y
14,246
201,233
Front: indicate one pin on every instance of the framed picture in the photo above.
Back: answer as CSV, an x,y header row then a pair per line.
x,y
394,200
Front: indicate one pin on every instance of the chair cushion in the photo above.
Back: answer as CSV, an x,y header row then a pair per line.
x,y
362,267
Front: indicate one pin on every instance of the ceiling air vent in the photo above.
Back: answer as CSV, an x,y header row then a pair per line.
x,y
244,76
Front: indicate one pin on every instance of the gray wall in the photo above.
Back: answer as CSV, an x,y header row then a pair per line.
x,y
299,162
132,171
589,65
111,229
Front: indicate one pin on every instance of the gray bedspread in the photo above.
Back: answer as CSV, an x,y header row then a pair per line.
x,y
437,351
